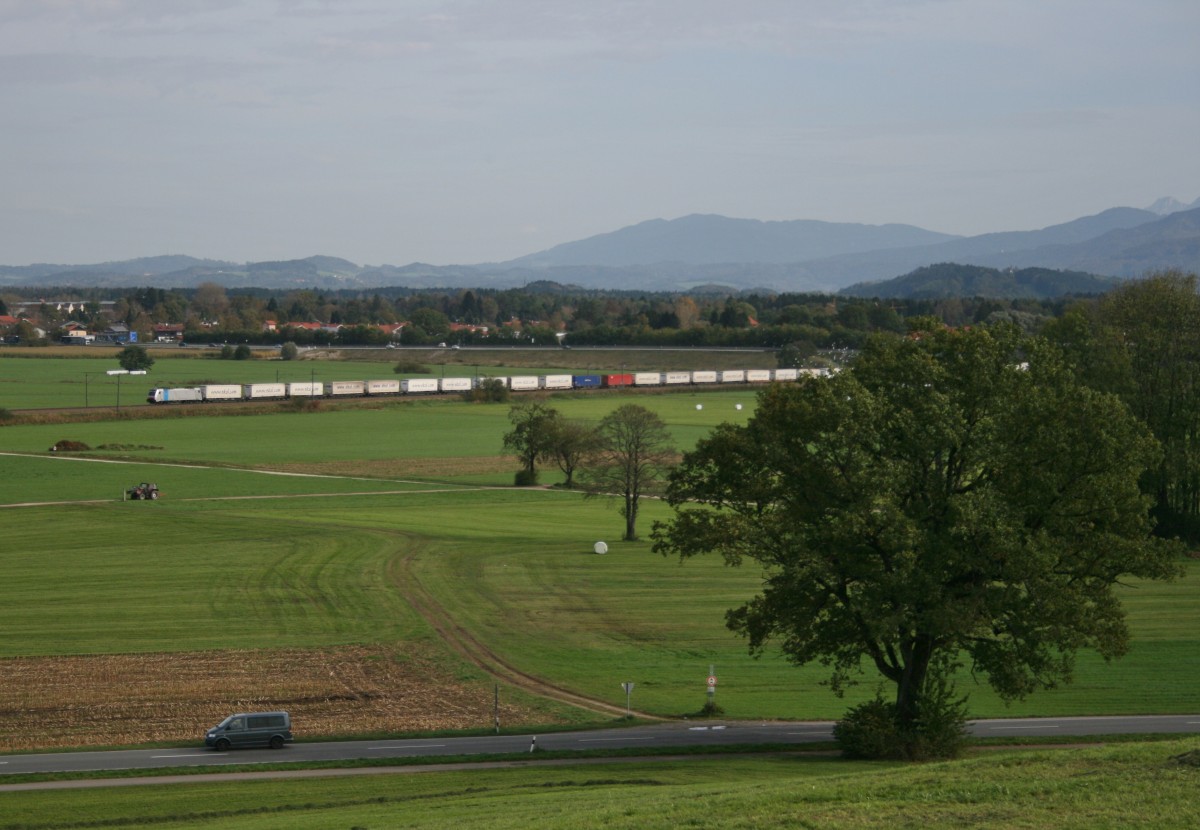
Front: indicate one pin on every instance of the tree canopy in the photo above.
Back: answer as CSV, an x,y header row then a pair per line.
x,y
135,358
633,453
956,497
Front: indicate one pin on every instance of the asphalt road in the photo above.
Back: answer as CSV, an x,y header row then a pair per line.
x,y
663,736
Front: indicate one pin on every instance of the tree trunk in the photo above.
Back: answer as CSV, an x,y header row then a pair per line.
x,y
909,689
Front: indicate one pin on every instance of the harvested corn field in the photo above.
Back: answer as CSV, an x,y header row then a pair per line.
x,y
142,698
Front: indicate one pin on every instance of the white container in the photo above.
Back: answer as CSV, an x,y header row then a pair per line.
x,y
647,379
704,377
758,376
259,391
383,387
786,374
345,388
676,378
555,382
222,392
456,384
523,383
305,390
418,386
736,376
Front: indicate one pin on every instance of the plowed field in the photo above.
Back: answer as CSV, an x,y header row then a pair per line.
x,y
133,699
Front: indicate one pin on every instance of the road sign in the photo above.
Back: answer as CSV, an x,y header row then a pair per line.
x,y
712,680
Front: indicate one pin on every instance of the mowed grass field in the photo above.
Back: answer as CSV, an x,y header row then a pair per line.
x,y
236,559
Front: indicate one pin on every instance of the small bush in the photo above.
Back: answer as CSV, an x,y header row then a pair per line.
x,y
69,446
6,414
302,404
710,709
525,478
289,351
872,730
408,366
869,730
491,390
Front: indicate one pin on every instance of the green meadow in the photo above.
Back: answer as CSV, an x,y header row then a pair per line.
x,y
236,556
1124,785
301,530
231,558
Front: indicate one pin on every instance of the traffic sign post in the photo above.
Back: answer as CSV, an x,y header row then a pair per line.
x,y
628,687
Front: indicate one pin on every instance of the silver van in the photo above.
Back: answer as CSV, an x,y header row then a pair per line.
x,y
272,729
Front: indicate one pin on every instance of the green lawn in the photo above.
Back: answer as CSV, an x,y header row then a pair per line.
x,y
1130,785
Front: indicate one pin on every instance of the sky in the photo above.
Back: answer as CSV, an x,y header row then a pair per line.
x,y
471,131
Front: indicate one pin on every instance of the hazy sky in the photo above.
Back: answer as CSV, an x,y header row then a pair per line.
x,y
465,131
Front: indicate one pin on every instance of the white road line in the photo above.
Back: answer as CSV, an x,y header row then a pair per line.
x,y
409,746
1039,726
602,740
188,755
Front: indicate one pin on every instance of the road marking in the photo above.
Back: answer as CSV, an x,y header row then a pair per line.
x,y
409,746
602,740
1039,726
188,755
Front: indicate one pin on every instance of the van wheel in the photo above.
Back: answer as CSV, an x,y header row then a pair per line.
x,y
222,745
276,742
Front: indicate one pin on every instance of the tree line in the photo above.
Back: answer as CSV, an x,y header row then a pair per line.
x,y
541,311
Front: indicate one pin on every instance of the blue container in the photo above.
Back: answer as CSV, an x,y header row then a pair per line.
x,y
585,381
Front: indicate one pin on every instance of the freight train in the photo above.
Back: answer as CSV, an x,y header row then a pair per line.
x,y
434,386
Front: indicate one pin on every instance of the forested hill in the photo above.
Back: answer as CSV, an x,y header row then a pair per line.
x,y
948,279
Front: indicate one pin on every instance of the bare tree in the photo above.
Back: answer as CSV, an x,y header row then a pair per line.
x,y
635,453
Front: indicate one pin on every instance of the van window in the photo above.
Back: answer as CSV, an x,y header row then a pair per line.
x,y
236,725
259,722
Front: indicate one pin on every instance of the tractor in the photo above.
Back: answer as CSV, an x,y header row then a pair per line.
x,y
145,490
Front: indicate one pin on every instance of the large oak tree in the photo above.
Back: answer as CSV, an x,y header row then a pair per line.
x,y
957,497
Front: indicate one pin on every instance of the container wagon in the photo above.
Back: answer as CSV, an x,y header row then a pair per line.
x,y
586,381
419,386
616,381
523,383
305,390
676,378
264,391
383,387
184,394
647,378
555,382
456,384
704,377
758,376
345,388
222,392
735,376
786,374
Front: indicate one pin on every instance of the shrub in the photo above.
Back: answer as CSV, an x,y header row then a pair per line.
x,y
408,366
872,730
525,478
869,730
491,390
242,352
288,351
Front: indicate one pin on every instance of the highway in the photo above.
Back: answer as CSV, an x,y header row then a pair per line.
x,y
674,735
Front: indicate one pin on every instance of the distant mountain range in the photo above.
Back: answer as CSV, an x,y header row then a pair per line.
x,y
704,250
